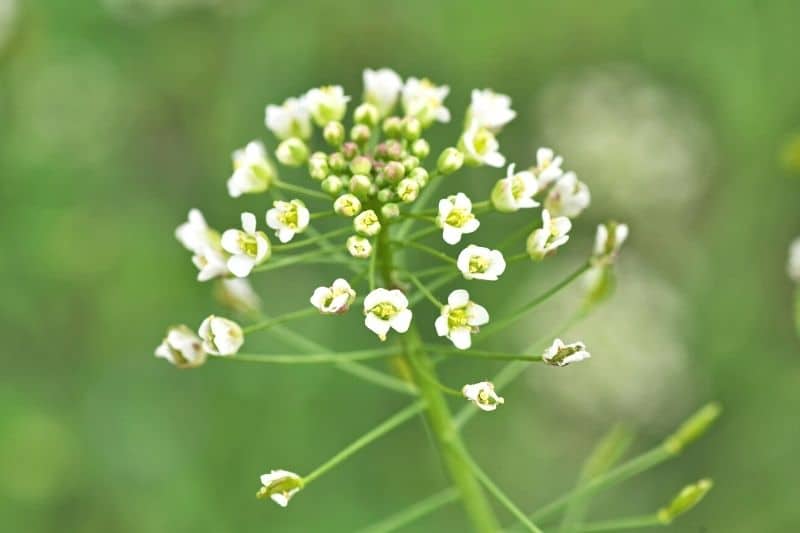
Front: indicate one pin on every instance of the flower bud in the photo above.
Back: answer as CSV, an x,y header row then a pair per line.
x,y
483,395
279,486
393,127
367,223
360,165
332,185
292,152
347,205
386,195
411,128
394,172
408,190
421,148
360,185
686,499
318,166
450,161
349,150
333,133
182,348
394,150
366,114
390,211
693,428
360,133
337,162
410,163
221,336
358,247
420,175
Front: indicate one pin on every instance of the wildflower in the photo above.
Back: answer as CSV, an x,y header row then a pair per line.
x,y
515,191
548,167
607,242
280,486
367,223
460,318
238,294
291,119
382,88
456,218
292,152
425,101
253,172
450,160
477,262
182,348
560,354
408,190
385,310
490,110
288,219
793,266
335,299
327,104
358,246
483,395
568,197
221,336
211,262
347,205
195,234
549,237
480,147
248,248
686,499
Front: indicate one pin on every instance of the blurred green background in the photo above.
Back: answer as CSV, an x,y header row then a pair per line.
x,y
117,116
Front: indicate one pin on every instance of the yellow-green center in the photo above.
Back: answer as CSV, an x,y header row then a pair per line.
x,y
384,310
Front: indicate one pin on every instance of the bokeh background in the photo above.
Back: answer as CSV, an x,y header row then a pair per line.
x,y
117,116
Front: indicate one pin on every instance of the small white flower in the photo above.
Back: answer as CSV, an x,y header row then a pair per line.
x,y
367,223
280,486
221,336
568,197
490,109
182,348
560,354
481,147
335,299
548,167
347,205
327,104
793,265
288,219
483,395
358,246
515,191
477,262
382,88
253,172
248,248
460,318
195,235
549,237
386,309
211,262
291,119
238,294
456,218
607,242
424,100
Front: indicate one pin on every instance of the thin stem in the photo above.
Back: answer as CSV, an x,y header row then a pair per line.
x,y
321,214
517,257
373,258
621,524
413,512
427,249
434,270
426,194
381,429
484,354
483,206
265,324
301,190
430,378
429,217
421,234
517,234
311,240
317,358
444,279
313,256
424,290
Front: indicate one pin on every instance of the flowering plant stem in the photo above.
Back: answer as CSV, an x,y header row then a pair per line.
x,y
633,522
413,512
316,358
301,190
427,249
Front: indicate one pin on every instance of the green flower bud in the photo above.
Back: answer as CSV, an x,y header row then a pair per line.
x,y
686,499
337,162
347,205
410,163
386,195
292,152
408,190
393,127
360,185
411,128
421,148
349,150
420,175
333,133
358,246
318,166
367,223
390,211
360,133
360,165
394,172
693,428
450,161
367,114
332,185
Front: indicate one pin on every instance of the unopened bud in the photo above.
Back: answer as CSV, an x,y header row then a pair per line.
x,y
360,185
394,172
337,162
450,161
332,185
421,148
693,428
367,223
292,152
393,127
686,499
420,175
408,190
318,166
349,150
390,211
360,165
333,133
347,205
410,163
386,195
366,114
411,128
358,246
360,133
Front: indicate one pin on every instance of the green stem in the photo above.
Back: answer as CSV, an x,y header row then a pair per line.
x,y
317,358
311,240
413,512
270,322
484,354
426,194
314,256
421,234
301,190
427,249
424,290
517,257
621,524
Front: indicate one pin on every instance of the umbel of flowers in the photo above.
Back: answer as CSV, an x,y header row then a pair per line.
x,y
370,197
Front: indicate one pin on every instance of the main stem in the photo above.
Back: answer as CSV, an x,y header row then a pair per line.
x,y
440,419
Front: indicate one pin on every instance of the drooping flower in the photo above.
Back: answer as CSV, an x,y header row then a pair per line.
x,y
460,318
182,348
607,242
560,354
483,395
288,219
248,248
382,88
335,299
552,234
480,147
456,218
425,101
793,265
515,191
367,223
195,234
548,167
490,110
326,104
221,336
279,486
253,172
386,309
358,246
211,262
568,197
290,119
477,262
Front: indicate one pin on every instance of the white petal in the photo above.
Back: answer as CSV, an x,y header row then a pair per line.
x,y
241,265
230,241
495,159
401,321
397,299
376,325
285,234
458,298
478,315
375,297
461,338
451,235
249,223
440,324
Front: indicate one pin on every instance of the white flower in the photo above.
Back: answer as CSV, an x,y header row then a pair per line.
x,y
358,246
460,318
335,299
248,248
182,348
483,395
481,147
477,262
793,266
221,336
211,262
455,217
550,236
195,235
386,309
291,119
424,100
490,109
280,486
367,223
327,104
515,191
252,170
238,294
288,219
548,167
382,88
608,240
560,354
568,197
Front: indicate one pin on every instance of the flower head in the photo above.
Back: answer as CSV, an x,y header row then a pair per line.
x,y
221,336
607,242
382,88
279,486
548,167
483,395
490,110
456,218
288,219
460,318
515,191
425,101
793,266
291,119
386,309
253,172
477,262
358,246
182,348
326,104
480,146
549,237
568,197
248,248
560,354
335,299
